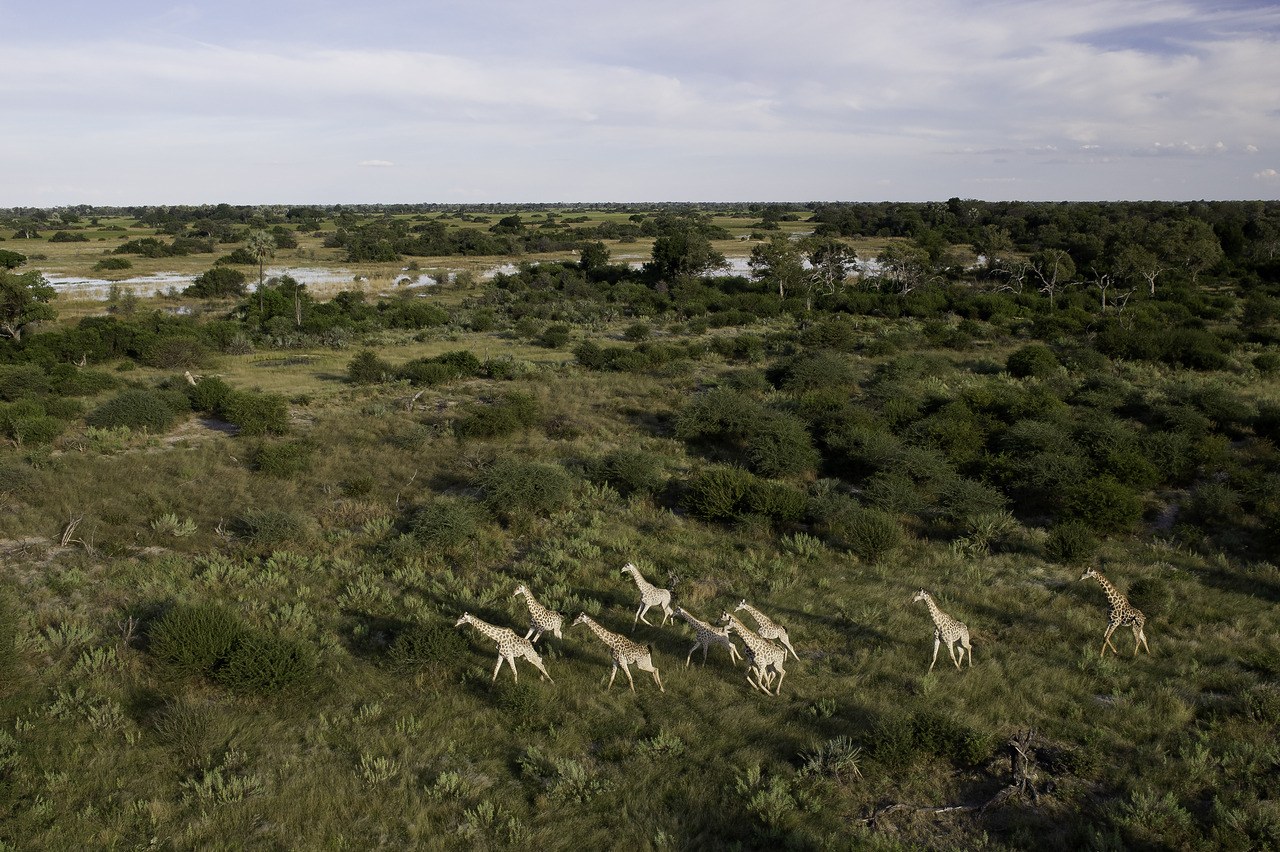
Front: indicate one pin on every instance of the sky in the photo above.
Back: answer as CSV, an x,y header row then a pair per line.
x,y
403,101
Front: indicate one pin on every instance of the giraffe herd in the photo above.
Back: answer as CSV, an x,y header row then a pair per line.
x,y
765,659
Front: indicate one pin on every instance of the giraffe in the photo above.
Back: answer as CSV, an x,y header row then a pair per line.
x,y
541,619
764,656
768,629
1120,613
707,636
946,629
650,596
510,646
624,652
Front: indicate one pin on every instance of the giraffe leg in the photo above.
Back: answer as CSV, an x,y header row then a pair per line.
x,y
498,668
512,662
781,675
969,647
532,627
1139,635
951,648
666,612
1106,641
937,643
647,665
612,675
626,670
538,664
754,685
706,646
690,657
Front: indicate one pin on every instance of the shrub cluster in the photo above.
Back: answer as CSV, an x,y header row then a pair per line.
x,y
212,642
509,413
628,471
726,493
514,486
137,408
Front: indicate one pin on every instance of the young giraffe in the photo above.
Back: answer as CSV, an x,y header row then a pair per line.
x,y
946,629
624,652
541,619
1120,613
707,636
650,596
767,628
510,646
764,656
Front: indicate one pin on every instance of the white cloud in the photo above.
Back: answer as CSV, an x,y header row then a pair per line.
x,y
1267,174
377,164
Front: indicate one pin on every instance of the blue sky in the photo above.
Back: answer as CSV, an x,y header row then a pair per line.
x,y
278,101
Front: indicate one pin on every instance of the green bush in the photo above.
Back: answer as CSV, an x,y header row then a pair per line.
x,y
67,380
1267,362
514,486
1103,503
34,430
869,533
271,526
555,337
368,369
423,646
1034,359
263,664
284,459
719,493
779,445
176,353
208,394
195,639
136,409
108,264
510,413
1071,542
255,413
219,281
21,381
629,471
637,332
1215,505
447,523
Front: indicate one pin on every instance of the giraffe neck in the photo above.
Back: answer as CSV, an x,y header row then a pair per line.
x,y
1113,594
604,635
693,622
753,641
938,615
761,618
491,630
642,584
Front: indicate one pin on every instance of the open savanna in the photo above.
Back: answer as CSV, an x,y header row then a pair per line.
x,y
822,462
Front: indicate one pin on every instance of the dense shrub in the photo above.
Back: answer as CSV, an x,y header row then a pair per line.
x,y
137,409
869,533
271,526
422,646
719,493
1103,503
779,445
1034,359
208,394
68,380
255,413
514,486
368,369
629,471
262,664
284,459
511,412
555,336
447,523
20,381
196,639
440,369
176,353
219,281
109,264
1071,542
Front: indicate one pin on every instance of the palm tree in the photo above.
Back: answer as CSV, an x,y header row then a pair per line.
x,y
262,245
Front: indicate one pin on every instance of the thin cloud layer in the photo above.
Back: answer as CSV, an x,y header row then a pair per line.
x,y
567,100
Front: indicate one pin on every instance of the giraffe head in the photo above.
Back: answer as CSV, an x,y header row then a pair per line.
x,y
465,619
1089,572
581,619
726,619
678,610
742,604
521,589
630,568
921,595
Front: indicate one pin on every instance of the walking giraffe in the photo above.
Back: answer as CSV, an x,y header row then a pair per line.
x,y
764,656
624,653
510,646
1120,613
541,619
767,628
650,596
707,636
946,629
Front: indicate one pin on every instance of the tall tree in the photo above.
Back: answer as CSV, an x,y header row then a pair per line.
x,y
780,263
262,245
24,300
683,252
831,262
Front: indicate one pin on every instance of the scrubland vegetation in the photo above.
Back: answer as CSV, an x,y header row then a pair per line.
x,y
236,538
